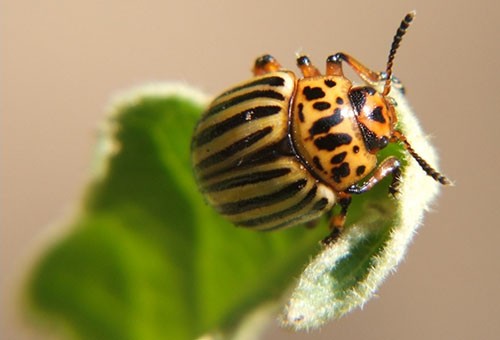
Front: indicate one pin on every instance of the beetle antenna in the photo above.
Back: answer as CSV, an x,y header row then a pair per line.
x,y
429,170
403,27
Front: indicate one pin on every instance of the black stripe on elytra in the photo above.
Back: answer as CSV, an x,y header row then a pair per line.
x,y
262,201
283,213
265,155
324,124
242,98
251,178
234,148
272,81
318,206
377,115
312,93
217,130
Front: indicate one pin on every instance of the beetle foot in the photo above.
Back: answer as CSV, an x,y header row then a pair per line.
x,y
396,181
332,237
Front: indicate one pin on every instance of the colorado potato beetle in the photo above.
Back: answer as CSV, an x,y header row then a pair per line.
x,y
278,150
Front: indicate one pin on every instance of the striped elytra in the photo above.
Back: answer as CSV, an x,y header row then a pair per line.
x,y
244,160
278,150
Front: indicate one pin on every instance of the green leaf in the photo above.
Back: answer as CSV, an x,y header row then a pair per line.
x,y
146,258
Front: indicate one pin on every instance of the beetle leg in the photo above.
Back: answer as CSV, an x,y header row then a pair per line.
x,y
305,66
333,66
390,165
265,64
337,221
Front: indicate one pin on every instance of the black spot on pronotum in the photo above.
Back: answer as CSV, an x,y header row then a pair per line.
x,y
360,170
355,149
341,171
321,106
324,124
330,83
377,115
312,93
317,163
300,107
332,141
338,158
339,101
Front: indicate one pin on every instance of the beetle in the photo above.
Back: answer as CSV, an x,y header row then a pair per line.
x,y
278,150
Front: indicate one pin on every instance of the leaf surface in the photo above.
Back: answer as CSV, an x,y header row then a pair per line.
x,y
145,258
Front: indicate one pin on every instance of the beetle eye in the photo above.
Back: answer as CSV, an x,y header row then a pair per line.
x,y
382,142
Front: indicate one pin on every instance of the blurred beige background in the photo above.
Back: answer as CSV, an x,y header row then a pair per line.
x,y
62,60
